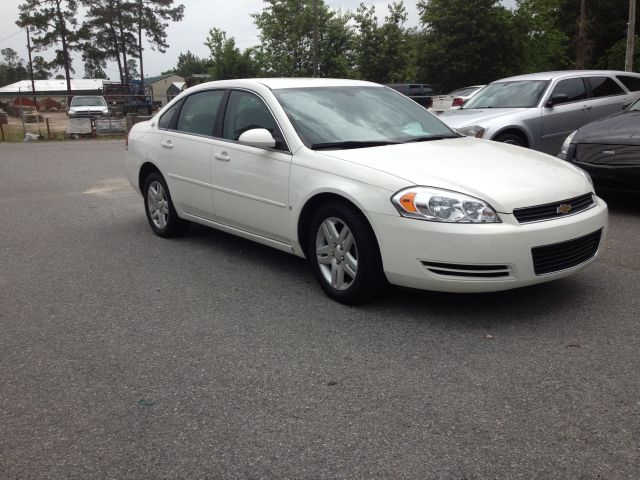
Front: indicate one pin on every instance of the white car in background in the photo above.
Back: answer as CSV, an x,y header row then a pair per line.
x,y
454,100
364,183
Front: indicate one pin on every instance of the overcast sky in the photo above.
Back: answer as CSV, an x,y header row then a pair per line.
x,y
232,16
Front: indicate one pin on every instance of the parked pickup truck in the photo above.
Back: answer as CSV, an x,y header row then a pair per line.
x,y
419,92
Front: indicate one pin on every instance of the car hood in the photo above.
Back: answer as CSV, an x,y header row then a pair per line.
x,y
504,175
480,116
620,129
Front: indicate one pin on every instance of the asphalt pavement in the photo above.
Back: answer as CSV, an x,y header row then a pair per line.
x,y
124,355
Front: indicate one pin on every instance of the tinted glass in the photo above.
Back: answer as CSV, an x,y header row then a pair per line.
x,y
246,111
359,114
165,119
632,83
516,94
572,87
88,101
604,86
199,112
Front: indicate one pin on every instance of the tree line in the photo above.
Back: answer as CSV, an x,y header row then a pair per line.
x,y
111,30
457,43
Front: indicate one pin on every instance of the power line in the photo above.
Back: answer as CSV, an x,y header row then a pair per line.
x,y
12,35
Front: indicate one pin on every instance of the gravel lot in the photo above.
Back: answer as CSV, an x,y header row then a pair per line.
x,y
124,355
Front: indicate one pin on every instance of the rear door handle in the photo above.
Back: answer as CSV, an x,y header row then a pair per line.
x,y
222,156
586,107
167,144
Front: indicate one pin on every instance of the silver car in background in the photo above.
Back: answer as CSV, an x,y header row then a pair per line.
x,y
540,110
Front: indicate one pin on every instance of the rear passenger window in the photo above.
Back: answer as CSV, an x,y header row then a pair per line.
x,y
604,87
199,112
632,83
572,87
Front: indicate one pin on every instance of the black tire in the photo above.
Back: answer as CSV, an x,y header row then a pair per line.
x,y
369,278
511,139
171,225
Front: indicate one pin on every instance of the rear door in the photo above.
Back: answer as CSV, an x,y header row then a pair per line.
x,y
186,150
608,96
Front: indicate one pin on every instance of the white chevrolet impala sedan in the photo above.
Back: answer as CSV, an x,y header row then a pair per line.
x,y
366,184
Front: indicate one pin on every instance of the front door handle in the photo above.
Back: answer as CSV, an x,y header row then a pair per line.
x,y
222,156
167,144
586,107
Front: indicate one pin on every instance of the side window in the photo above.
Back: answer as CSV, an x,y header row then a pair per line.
x,y
604,87
572,88
199,112
632,83
165,119
246,111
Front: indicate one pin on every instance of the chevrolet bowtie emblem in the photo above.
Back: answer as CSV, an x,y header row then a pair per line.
x,y
564,208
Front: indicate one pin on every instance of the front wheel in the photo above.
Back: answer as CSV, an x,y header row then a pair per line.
x,y
344,254
161,214
511,139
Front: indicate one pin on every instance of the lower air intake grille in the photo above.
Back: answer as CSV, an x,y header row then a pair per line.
x,y
467,271
563,255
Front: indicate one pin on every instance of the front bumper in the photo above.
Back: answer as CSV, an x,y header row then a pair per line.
x,y
622,178
409,247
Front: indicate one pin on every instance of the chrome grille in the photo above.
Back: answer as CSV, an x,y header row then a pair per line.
x,y
564,255
597,154
549,211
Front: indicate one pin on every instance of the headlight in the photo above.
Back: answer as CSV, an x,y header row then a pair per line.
x,y
471,131
565,146
71,110
436,205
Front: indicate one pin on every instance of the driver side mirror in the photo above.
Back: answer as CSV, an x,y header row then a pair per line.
x,y
556,99
257,137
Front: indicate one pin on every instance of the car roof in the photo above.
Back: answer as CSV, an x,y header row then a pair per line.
x,y
277,83
562,74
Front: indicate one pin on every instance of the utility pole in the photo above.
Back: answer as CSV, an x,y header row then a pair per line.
x,y
631,37
33,84
315,39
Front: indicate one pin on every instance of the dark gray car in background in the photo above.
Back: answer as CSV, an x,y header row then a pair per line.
x,y
540,110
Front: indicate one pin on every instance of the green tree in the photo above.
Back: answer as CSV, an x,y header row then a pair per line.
x,y
54,24
189,64
94,62
287,39
467,42
384,53
545,46
152,19
12,67
227,61
40,68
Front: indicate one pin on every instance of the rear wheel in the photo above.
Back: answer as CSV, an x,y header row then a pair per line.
x,y
161,214
344,254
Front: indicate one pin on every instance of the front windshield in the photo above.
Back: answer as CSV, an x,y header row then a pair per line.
x,y
88,102
334,115
515,94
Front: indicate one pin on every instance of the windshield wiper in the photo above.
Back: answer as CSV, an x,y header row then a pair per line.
x,y
350,144
428,138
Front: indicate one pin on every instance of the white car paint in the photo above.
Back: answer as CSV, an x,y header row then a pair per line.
x,y
259,194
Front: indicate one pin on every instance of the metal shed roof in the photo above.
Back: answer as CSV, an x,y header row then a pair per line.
x,y
53,86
